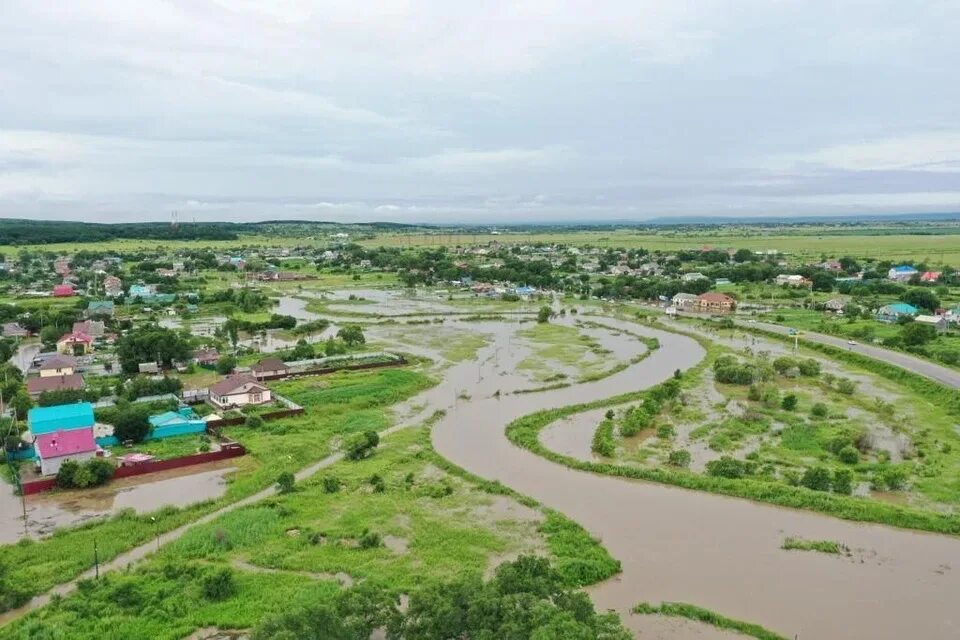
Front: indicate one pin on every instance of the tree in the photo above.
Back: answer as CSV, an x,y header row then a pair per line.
x,y
226,364
922,298
131,424
789,402
914,334
303,350
543,315
334,347
286,482
151,343
744,255
352,335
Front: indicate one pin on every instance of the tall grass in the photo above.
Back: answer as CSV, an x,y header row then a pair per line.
x,y
693,612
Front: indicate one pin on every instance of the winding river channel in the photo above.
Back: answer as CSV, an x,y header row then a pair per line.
x,y
713,551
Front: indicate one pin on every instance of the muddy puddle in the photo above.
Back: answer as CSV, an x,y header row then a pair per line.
x,y
47,511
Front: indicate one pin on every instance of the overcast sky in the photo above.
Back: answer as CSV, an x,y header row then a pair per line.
x,y
483,111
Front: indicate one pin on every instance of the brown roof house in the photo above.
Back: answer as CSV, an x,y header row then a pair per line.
x,y
237,391
36,386
58,365
14,330
270,368
713,302
206,356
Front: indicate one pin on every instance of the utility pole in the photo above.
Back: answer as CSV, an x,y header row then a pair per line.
x,y
96,560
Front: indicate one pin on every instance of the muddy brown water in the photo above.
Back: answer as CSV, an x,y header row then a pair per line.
x,y
677,545
713,551
47,511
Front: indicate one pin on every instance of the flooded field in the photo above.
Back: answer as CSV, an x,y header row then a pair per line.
x,y
47,511
716,552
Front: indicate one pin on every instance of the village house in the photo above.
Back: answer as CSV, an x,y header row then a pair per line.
x,y
14,330
93,328
207,356
893,312
901,273
693,276
67,382
684,301
61,266
832,265
58,365
63,291
75,343
113,286
238,391
100,309
793,280
60,433
269,368
836,305
930,276
713,302
939,323
176,423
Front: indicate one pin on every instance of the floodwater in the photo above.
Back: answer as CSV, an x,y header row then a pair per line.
x,y
677,545
47,511
713,551
573,436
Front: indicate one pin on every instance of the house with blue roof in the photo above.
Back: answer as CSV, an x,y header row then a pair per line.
x,y
901,273
141,291
176,423
893,312
61,417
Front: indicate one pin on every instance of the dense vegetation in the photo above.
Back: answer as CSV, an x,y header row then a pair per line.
x,y
18,232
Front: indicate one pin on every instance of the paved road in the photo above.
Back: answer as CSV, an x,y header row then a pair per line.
x,y
926,368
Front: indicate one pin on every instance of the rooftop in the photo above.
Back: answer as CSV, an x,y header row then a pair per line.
x,y
60,417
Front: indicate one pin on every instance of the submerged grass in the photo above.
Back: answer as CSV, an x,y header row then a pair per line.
x,y
823,546
706,616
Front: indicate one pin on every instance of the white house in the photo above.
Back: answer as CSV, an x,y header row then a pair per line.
x,y
237,391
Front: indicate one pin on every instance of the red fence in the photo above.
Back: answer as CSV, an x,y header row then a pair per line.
x,y
269,415
227,451
325,370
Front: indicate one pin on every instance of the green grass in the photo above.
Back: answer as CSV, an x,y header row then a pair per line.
x,y
296,537
699,614
336,404
558,346
164,448
822,546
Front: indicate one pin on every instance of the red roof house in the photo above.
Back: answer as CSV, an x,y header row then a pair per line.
x,y
36,386
930,276
55,448
76,342
63,291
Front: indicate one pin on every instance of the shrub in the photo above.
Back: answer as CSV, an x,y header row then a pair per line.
x,y
218,584
843,481
254,422
849,455
286,482
370,540
376,481
809,368
817,478
846,386
727,467
665,431
331,484
226,364
789,402
92,473
679,458
819,410
358,446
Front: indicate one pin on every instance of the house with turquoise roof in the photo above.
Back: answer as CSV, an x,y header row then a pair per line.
x,y
61,417
893,312
176,423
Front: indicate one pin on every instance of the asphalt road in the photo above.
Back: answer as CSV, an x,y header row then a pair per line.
x,y
933,371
